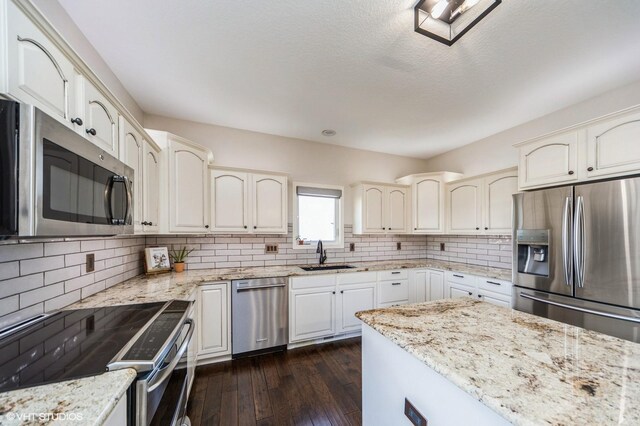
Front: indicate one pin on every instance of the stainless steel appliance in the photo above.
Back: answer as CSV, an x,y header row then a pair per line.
x,y
260,315
55,182
577,255
152,338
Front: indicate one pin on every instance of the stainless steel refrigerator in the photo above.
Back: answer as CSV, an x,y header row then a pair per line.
x,y
576,255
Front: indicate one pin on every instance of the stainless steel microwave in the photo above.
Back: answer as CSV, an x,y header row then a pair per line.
x,y
56,183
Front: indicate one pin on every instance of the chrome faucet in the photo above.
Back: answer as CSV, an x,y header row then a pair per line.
x,y
322,253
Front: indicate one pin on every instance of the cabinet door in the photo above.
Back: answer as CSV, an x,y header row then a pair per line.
x,y
151,189
435,285
373,209
354,299
312,314
100,120
427,206
418,286
613,147
38,72
464,207
132,154
459,290
549,161
188,188
269,204
229,201
396,210
495,299
213,319
497,203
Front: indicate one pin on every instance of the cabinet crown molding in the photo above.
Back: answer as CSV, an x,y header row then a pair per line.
x,y
442,176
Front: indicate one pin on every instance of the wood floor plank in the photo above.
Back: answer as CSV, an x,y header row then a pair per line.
x,y
229,408
246,406
261,400
355,418
196,399
212,401
280,405
270,371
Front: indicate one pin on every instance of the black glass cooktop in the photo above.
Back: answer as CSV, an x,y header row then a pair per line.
x,y
72,344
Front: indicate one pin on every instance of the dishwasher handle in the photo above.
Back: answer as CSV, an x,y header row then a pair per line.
x,y
247,286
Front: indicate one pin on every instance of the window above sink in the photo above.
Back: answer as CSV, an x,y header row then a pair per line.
x,y
318,215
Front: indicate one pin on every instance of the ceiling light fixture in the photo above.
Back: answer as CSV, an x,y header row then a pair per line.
x,y
448,20
328,132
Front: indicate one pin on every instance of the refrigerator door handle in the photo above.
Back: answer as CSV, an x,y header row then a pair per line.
x,y
578,241
580,309
566,242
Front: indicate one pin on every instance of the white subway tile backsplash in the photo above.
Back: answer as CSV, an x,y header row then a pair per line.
x,y
32,266
54,249
9,270
63,274
20,251
18,285
492,251
41,294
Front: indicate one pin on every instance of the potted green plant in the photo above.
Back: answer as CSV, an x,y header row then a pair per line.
x,y
178,257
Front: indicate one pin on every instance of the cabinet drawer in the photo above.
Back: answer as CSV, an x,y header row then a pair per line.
x,y
393,291
493,285
357,278
495,298
460,278
298,283
400,274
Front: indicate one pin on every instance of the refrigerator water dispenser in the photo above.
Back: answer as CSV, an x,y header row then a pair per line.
x,y
533,251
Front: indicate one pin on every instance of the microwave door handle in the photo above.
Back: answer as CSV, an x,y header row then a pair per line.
x,y
108,190
166,372
566,242
128,210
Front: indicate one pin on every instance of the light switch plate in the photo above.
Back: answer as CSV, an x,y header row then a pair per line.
x,y
271,249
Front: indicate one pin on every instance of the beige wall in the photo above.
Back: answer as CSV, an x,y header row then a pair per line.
x,y
497,152
304,161
63,23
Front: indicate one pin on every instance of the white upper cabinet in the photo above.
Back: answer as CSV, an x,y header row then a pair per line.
x,y
482,205
100,119
498,202
380,208
269,202
427,201
549,161
132,154
188,186
464,206
38,72
242,201
150,189
613,146
229,201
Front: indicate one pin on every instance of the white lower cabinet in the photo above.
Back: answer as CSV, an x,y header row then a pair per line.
x,y
425,285
118,416
213,320
497,292
312,313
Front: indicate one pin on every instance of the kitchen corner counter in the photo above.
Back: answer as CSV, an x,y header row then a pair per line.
x,y
529,370
169,286
88,400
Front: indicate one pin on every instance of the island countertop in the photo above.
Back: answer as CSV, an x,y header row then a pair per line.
x,y
528,369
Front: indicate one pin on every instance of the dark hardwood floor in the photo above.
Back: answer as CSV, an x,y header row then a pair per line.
x,y
313,385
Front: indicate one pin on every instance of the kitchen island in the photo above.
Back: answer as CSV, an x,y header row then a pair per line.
x,y
461,361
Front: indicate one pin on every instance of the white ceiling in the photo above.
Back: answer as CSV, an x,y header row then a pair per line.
x,y
296,67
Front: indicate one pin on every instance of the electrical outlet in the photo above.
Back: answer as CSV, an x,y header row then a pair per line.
x,y
398,246
441,246
271,249
352,246
90,263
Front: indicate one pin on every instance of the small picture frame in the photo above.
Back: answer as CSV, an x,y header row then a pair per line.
x,y
156,260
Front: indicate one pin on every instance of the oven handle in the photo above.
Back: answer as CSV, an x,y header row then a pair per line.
x,y
165,372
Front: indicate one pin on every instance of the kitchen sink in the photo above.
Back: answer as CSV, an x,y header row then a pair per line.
x,y
326,268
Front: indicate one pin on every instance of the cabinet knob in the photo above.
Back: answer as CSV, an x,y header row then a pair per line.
x,y
471,294
341,291
590,169
486,228
479,296
570,172
245,227
255,227
77,121
334,292
384,229
144,223
477,228
415,229
150,223
206,226
92,131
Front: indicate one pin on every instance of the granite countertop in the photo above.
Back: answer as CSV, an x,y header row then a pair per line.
x,y
163,287
89,400
528,369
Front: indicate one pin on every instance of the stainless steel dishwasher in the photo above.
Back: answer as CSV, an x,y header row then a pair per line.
x,y
259,315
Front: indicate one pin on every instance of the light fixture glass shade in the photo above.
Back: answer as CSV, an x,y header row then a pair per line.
x,y
458,17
